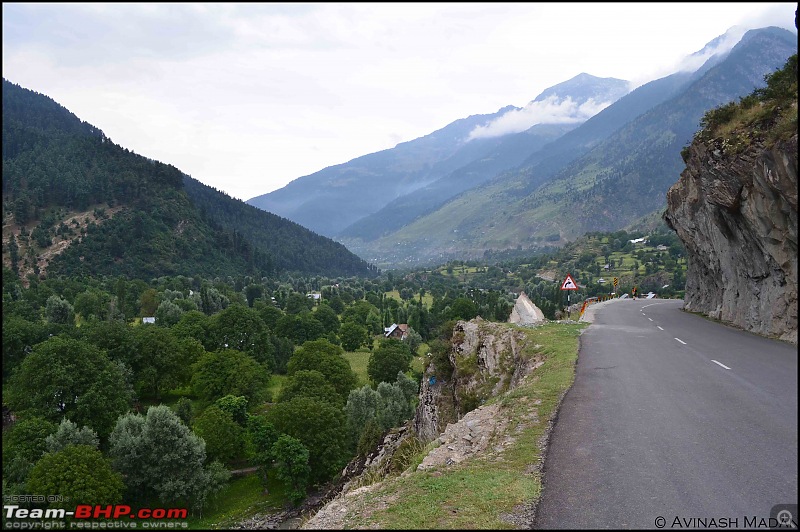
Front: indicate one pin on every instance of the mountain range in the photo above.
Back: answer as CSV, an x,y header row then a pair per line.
x,y
478,185
427,171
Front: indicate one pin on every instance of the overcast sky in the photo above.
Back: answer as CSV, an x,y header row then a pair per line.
x,y
248,97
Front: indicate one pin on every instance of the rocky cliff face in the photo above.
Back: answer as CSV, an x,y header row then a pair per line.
x,y
735,209
485,361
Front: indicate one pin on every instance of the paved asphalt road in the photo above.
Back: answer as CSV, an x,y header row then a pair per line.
x,y
671,415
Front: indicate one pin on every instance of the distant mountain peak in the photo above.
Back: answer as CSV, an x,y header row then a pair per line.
x,y
584,87
571,102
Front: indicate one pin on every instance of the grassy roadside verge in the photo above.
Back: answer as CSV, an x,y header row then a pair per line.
x,y
493,490
240,499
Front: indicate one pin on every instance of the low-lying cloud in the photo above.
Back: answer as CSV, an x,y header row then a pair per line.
x,y
719,46
552,110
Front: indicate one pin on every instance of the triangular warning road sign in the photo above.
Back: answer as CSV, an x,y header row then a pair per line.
x,y
569,283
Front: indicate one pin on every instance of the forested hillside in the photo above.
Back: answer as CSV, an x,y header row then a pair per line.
x,y
76,203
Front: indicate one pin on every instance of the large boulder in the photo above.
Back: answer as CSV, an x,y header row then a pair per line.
x,y
525,312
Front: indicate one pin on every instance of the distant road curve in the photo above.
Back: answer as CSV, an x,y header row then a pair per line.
x,y
673,416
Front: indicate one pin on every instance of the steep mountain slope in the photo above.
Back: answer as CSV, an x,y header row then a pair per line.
x,y
575,95
542,161
509,152
333,198
348,198
617,181
76,203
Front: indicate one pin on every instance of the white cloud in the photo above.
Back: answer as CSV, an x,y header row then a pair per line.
x,y
722,46
551,110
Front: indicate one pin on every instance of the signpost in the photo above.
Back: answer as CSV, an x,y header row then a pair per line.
x,y
616,281
569,284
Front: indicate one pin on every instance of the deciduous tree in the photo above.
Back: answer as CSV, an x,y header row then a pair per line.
x,y
323,356
68,433
299,328
23,445
309,383
361,407
162,361
58,310
393,407
352,335
162,460
229,372
297,303
389,358
19,337
237,327
413,340
234,405
328,318
291,466
168,313
463,309
261,435
320,428
148,302
80,474
69,378
185,411
195,324
92,304
223,436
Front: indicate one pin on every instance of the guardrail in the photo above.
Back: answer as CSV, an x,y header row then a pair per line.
x,y
599,299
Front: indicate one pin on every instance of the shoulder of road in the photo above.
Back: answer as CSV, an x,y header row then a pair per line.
x,y
588,314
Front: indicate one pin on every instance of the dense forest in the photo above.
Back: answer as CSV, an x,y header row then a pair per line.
x,y
160,413
92,207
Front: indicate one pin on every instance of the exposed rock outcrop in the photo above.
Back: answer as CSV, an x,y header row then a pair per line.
x,y
486,360
525,312
735,209
472,434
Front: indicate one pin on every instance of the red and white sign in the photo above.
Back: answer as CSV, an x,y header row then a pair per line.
x,y
569,283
